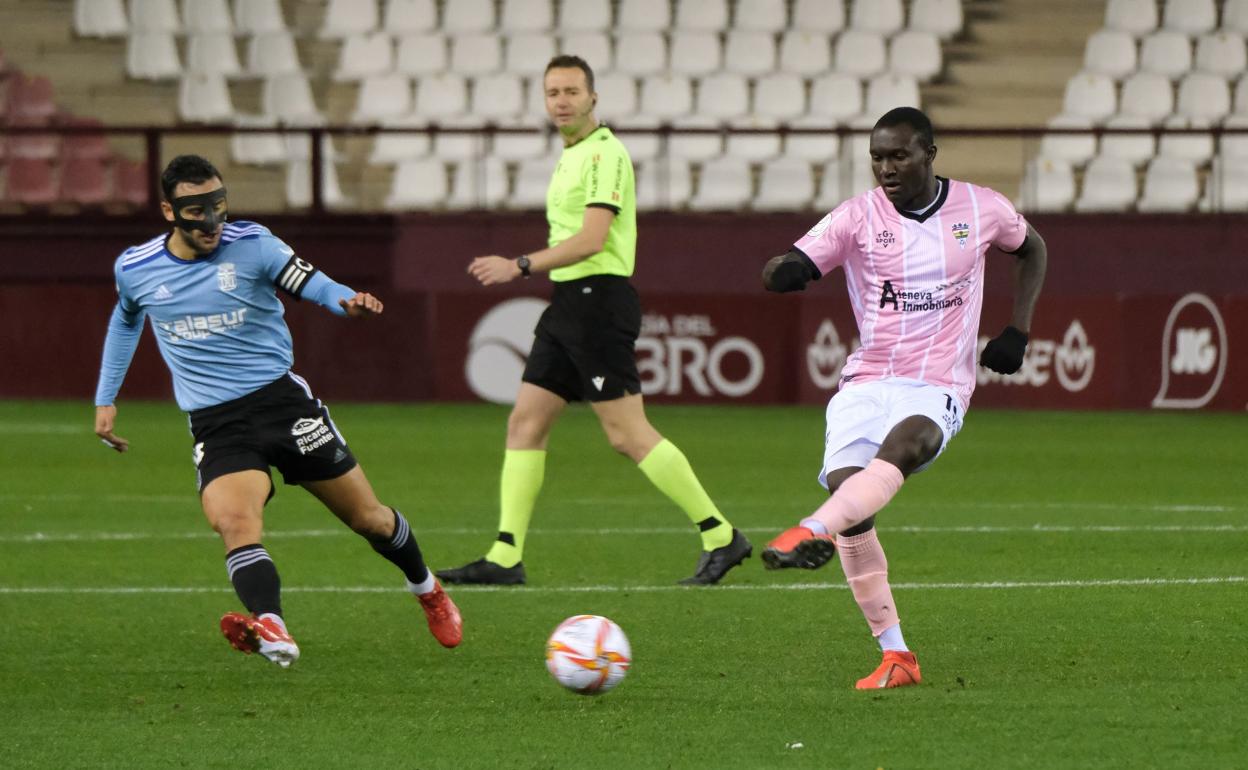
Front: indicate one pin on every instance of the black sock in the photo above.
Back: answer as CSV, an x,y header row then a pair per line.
x,y
401,550
255,579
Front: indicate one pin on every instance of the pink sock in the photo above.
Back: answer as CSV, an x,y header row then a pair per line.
x,y
859,496
866,569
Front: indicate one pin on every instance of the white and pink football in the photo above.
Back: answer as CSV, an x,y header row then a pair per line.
x,y
588,654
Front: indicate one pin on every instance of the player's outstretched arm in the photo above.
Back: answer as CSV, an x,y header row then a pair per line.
x,y
1004,353
105,417
789,272
586,242
362,305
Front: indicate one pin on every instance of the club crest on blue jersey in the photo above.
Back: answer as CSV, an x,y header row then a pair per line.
x,y
227,278
961,231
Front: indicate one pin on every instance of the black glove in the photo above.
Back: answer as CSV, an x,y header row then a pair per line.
x,y
1004,353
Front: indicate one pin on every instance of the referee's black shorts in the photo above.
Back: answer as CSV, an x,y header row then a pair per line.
x,y
585,341
281,424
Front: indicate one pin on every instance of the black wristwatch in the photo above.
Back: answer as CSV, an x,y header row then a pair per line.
x,y
523,263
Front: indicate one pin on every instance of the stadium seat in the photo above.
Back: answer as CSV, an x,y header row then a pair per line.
x,y
861,54
663,183
593,47
34,146
299,147
884,92
441,96
201,17
1108,185
943,18
585,16
100,18
528,53
363,56
805,53
1222,53
457,146
785,184
1090,96
833,185
1191,17
641,135
383,97
408,17
884,17
270,54
86,182
1241,96
695,53
1203,97
643,15
1048,185
152,56
702,15
915,54
724,184
666,96
85,146
31,100
819,16
389,149
1147,95
527,16
761,16
1170,185
476,54
1136,149
856,149
257,149
813,147
780,96
836,97
1135,17
289,99
532,181
31,182
640,53
466,16
1235,16
204,97
498,98
1226,188
750,53
213,53
1110,52
515,147
480,183
723,96
149,16
1075,149
258,17
1166,52
421,53
753,147
132,183
617,96
1194,148
695,147
1234,146
418,184
299,185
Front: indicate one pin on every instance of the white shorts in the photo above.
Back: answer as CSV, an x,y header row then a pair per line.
x,y
859,418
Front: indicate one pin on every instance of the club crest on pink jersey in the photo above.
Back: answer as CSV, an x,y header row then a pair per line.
x,y
961,231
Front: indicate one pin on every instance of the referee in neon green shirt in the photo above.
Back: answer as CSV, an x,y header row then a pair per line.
x,y
584,347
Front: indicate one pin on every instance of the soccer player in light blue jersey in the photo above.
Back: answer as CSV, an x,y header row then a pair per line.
x,y
210,288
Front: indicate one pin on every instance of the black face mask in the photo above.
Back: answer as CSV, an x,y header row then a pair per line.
x,y
209,202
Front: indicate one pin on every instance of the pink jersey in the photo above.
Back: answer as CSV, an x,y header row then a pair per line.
x,y
916,281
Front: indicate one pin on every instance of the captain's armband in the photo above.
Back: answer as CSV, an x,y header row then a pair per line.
x,y
294,276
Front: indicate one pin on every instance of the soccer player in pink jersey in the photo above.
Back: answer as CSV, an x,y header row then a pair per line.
x,y
913,254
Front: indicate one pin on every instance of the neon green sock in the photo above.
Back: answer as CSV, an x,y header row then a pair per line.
x,y
523,470
669,470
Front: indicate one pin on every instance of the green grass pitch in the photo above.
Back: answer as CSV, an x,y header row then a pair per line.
x,y
1073,583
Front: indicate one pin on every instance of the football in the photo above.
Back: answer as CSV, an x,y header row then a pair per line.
x,y
588,654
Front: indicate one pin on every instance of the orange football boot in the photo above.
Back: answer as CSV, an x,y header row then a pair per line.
x,y
799,547
444,621
898,669
262,635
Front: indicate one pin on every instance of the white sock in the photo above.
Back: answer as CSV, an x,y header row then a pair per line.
x,y
814,525
275,618
891,639
423,587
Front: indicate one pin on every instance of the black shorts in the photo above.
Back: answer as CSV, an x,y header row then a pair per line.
x,y
585,341
281,424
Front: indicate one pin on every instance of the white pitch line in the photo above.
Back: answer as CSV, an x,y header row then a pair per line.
x,y
992,585
91,537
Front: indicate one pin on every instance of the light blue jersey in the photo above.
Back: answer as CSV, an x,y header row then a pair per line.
x,y
217,319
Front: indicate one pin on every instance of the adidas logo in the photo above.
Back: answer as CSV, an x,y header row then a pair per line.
x,y
340,455
162,294
598,382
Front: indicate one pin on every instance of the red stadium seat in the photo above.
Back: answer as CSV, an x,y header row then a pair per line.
x,y
133,186
85,146
31,182
31,100
86,181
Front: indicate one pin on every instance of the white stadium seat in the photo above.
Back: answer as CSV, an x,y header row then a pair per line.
x,y
289,98
695,147
272,53
527,16
1076,149
780,95
836,97
213,52
418,184
834,185
100,18
585,16
148,16
1235,16
1241,96
1135,17
406,17
529,52
204,97
1170,185
785,184
460,146
299,186
464,16
476,54
704,15
1091,96
750,53
862,54
256,149
383,97
942,18
515,147
915,54
724,184
617,96
805,53
826,16
1110,52
884,92
1203,97
1108,185
344,18
441,96
255,17
206,16
1191,17
815,147
695,53
723,96
885,17
761,16
365,55
152,56
640,53
1194,148
1048,185
1234,146
498,98
1166,52
479,183
663,183
394,148
1136,149
1226,188
593,47
1147,95
753,147
532,181
641,146
421,53
644,16
1222,53
666,96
